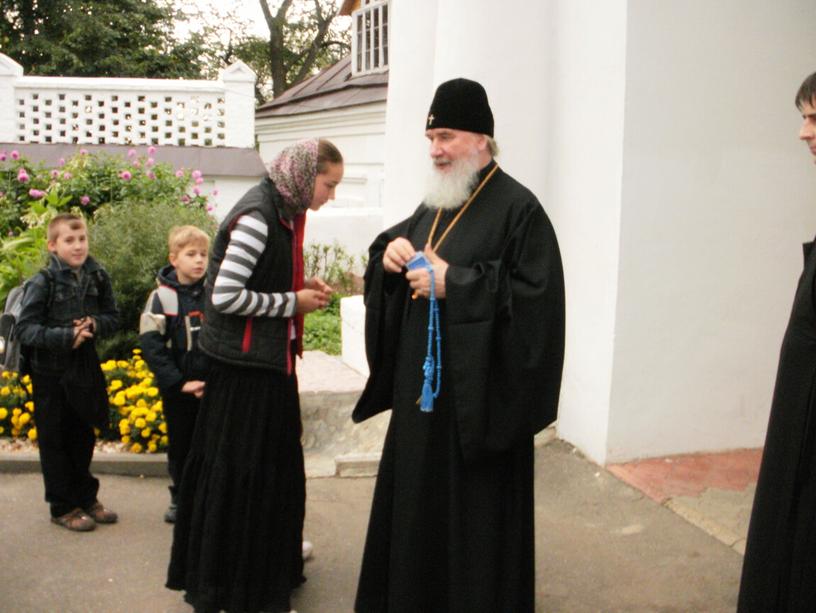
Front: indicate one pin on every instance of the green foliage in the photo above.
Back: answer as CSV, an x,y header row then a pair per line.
x,y
131,243
321,330
98,38
334,265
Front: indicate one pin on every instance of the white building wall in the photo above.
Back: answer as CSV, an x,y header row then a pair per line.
x,y
717,197
355,217
584,195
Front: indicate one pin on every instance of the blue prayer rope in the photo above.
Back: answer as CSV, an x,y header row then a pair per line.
x,y
432,365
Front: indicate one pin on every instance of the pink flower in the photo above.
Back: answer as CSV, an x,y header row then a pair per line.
x,y
22,176
179,173
36,193
67,175
214,192
150,162
61,162
84,200
210,208
15,155
83,152
196,191
2,156
185,198
151,175
131,153
196,174
199,181
125,175
55,174
151,150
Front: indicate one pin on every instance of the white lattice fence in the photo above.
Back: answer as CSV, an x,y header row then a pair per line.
x,y
129,111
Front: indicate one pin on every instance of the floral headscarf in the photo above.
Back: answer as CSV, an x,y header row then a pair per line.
x,y
294,172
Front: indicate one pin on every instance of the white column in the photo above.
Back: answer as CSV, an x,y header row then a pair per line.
x,y
239,102
10,71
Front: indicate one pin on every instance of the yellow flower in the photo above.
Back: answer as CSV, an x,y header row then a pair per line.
x,y
2,429
108,366
32,434
136,448
4,391
139,364
164,441
151,447
124,428
6,374
25,418
146,433
115,385
29,389
158,406
16,411
25,380
151,416
137,351
122,364
141,403
29,405
163,428
140,423
3,413
152,392
125,439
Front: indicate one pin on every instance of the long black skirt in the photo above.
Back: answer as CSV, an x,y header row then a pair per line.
x,y
239,530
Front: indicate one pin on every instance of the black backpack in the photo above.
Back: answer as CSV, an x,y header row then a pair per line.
x,y
12,353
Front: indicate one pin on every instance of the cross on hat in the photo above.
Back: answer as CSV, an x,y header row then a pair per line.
x,y
430,119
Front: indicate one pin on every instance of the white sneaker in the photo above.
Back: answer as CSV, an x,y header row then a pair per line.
x,y
307,551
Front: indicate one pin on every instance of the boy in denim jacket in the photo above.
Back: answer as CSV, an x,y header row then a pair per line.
x,y
168,335
65,308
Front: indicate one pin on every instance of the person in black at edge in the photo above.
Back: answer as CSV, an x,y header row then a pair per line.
x,y
452,524
779,568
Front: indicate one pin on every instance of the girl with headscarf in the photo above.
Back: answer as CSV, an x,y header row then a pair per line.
x,y
237,542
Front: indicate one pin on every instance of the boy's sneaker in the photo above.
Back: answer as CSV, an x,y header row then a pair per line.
x,y
76,520
170,514
308,548
100,514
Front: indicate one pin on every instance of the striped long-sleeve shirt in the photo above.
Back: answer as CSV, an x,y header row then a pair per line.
x,y
230,295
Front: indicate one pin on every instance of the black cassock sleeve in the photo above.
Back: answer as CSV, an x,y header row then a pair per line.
x,y
505,341
384,297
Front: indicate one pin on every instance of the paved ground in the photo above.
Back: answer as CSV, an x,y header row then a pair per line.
x,y
601,546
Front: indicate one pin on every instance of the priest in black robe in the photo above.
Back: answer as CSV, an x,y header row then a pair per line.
x,y
452,523
779,569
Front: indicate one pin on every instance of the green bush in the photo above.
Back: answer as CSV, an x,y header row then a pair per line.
x,y
321,328
334,265
131,243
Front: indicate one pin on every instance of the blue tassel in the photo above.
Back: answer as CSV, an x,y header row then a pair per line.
x,y
426,404
431,366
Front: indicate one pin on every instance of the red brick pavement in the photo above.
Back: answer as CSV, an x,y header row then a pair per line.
x,y
690,475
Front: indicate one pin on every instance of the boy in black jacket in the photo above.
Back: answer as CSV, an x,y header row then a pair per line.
x,y
168,333
66,306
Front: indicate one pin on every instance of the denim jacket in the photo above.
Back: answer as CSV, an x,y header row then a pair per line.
x,y
50,307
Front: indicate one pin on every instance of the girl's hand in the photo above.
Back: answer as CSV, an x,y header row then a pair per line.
x,y
318,284
309,300
196,388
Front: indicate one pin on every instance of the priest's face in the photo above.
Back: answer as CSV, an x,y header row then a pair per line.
x,y
807,132
449,145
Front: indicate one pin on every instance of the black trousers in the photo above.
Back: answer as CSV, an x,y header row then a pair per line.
x,y
66,447
180,411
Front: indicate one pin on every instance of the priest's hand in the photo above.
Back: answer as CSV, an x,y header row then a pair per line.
x,y
397,254
420,280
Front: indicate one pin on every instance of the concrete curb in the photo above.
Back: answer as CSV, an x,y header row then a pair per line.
x,y
119,463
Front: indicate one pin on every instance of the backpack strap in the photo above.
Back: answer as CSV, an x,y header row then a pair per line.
x,y
168,297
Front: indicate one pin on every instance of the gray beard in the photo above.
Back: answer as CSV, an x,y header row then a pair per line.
x,y
448,190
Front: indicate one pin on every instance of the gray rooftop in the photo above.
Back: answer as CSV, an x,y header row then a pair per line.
x,y
330,89
218,161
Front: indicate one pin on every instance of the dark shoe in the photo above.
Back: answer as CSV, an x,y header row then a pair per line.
x,y
100,514
76,520
170,514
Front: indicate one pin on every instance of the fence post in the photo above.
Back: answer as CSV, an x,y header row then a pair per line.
x,y
10,71
239,102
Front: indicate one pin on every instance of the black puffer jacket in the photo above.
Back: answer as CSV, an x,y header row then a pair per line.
x,y
168,331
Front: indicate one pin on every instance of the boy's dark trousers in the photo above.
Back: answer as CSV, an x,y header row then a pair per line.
x,y
66,445
180,412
